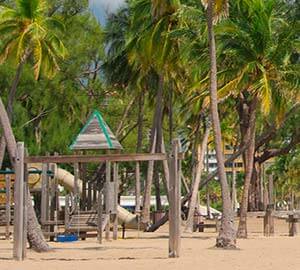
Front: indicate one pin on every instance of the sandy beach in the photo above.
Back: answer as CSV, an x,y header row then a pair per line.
x,y
150,251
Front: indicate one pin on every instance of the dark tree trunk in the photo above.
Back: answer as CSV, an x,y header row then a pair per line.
x,y
248,120
256,201
227,234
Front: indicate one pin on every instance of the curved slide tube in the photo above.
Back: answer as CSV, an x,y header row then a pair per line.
x,y
66,179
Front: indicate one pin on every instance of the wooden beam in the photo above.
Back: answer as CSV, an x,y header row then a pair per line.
x,y
7,205
19,202
98,158
25,210
89,196
45,193
115,199
67,213
137,188
175,203
100,216
82,176
108,198
76,186
53,202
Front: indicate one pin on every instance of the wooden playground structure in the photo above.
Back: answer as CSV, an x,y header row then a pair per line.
x,y
92,208
106,211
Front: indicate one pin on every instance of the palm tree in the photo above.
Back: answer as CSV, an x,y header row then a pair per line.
x,y
227,235
261,76
27,33
260,71
151,50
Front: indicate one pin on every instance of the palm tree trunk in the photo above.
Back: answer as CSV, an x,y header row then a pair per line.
x,y
159,116
34,233
124,116
2,150
166,169
195,188
11,98
157,187
171,115
148,184
227,234
233,188
249,162
138,149
140,122
155,142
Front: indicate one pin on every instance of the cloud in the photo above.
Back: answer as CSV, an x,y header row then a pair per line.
x,y
108,6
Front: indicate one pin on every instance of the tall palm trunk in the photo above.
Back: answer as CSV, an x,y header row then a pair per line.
x,y
11,98
171,124
157,187
249,162
155,142
193,200
227,234
148,184
35,236
138,149
233,188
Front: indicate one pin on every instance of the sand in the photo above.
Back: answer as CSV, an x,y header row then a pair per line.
x,y
150,251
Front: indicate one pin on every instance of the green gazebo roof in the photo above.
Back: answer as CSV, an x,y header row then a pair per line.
x,y
95,134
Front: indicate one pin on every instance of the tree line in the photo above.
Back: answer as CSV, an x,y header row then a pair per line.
x,y
212,73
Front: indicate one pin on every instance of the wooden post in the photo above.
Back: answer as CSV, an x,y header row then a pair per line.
x,y
76,186
138,194
108,198
7,205
19,203
45,194
25,211
53,203
292,220
94,203
89,196
137,188
82,175
100,216
115,199
175,205
269,221
67,214
271,189
208,214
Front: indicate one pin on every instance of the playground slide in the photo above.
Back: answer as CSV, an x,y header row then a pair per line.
x,y
66,179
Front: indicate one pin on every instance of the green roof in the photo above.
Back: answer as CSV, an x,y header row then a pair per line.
x,y
95,134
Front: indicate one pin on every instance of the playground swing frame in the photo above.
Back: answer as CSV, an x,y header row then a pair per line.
x,y
21,179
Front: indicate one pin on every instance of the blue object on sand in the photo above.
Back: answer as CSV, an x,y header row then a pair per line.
x,y
67,238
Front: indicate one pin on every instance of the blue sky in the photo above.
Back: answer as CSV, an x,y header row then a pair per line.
x,y
103,7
